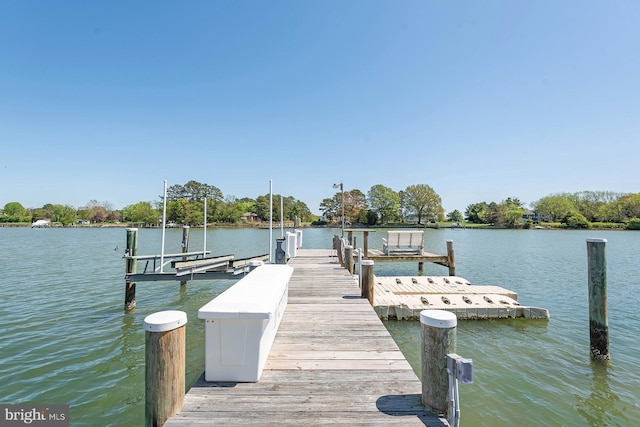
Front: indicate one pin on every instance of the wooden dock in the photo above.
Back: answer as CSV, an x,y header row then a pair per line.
x,y
332,362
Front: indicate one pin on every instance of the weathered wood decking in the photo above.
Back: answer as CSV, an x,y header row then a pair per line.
x,y
332,362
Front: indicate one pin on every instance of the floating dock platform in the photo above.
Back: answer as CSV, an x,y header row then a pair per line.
x,y
405,297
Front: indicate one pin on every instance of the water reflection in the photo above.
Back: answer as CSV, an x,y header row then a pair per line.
x,y
599,408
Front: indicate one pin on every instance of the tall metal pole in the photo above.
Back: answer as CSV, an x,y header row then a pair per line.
x,y
204,235
270,221
342,190
164,223
341,185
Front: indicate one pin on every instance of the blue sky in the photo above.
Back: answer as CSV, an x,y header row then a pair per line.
x,y
481,100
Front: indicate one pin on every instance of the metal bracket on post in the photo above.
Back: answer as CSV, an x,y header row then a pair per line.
x,y
459,370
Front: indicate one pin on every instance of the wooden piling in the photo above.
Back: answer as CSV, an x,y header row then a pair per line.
x,y
348,258
131,265
165,352
185,247
438,340
598,314
366,269
340,249
451,259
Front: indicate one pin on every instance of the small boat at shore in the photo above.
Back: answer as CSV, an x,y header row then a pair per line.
x,y
41,223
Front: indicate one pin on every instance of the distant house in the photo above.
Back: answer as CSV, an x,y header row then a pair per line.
x,y
249,217
83,221
532,215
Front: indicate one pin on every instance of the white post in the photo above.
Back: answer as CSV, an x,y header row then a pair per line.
x,y
204,237
270,221
360,267
164,222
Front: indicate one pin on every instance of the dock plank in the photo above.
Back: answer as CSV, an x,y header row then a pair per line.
x,y
332,363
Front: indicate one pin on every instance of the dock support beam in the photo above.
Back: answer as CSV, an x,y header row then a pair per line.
x,y
348,258
366,270
131,250
451,258
185,247
165,351
438,340
598,315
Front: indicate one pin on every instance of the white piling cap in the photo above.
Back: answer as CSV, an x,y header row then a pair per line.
x,y
367,262
164,321
438,319
597,240
255,263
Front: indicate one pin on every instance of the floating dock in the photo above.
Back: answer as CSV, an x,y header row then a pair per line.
x,y
405,297
332,362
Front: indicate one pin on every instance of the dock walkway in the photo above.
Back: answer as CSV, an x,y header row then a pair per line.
x,y
332,363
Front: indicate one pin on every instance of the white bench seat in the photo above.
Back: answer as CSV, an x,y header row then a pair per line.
x,y
403,242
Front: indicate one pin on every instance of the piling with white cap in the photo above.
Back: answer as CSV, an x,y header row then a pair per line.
x,y
165,351
438,340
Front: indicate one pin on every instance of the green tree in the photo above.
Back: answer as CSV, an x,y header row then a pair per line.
x,y
455,216
15,212
555,207
422,201
329,208
576,220
513,212
194,191
475,212
384,202
142,212
355,206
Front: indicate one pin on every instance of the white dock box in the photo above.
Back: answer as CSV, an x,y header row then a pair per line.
x,y
299,238
291,245
241,324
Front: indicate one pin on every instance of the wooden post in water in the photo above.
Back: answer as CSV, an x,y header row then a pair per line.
x,y
451,257
366,269
185,247
438,340
131,250
598,314
165,352
348,258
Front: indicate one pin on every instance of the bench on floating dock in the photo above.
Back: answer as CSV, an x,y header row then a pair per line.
x,y
241,324
403,242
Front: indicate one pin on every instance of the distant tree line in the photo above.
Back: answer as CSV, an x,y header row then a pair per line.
x,y
185,205
573,210
382,205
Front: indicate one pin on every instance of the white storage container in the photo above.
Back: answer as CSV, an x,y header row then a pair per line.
x,y
241,324
291,245
299,238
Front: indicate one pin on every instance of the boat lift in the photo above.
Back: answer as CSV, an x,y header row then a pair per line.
x,y
185,265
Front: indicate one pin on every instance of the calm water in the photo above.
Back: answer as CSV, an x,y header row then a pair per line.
x,y
66,339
